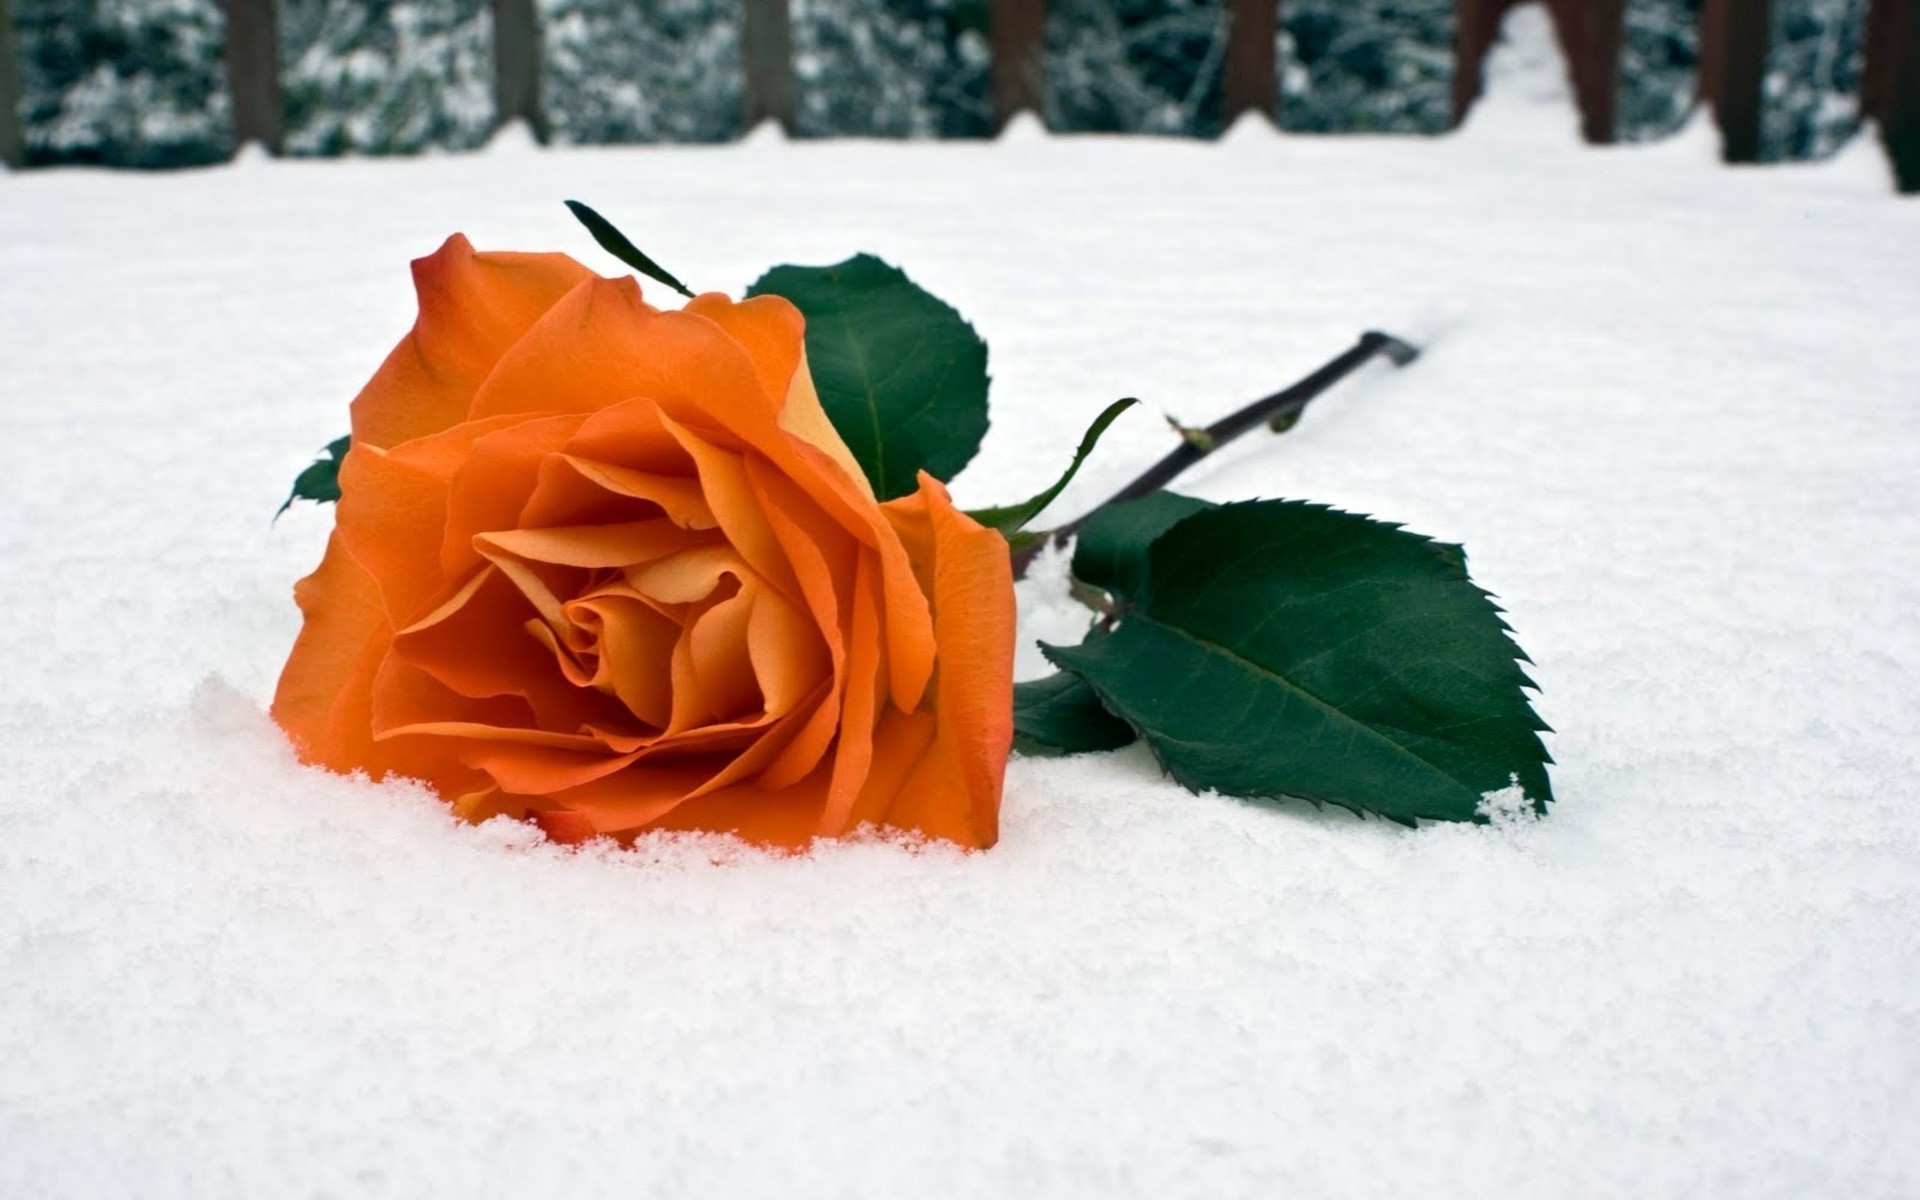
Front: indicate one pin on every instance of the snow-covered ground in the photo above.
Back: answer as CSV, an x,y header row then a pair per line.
x,y
1672,409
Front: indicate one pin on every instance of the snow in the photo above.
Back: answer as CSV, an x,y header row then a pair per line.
x,y
1669,407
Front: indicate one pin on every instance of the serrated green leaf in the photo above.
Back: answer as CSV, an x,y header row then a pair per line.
x,y
901,375
615,243
320,482
1275,648
1010,519
1111,550
1061,715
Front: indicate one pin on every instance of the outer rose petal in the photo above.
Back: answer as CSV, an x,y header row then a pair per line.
x,y
803,417
603,343
769,328
325,697
472,308
773,333
392,513
954,791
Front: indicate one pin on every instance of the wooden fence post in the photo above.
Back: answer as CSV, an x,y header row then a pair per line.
x,y
13,140
1475,23
1250,79
516,66
1590,33
1017,36
1890,90
253,73
1733,68
767,45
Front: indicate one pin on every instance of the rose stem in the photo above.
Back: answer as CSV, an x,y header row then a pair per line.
x,y
1278,410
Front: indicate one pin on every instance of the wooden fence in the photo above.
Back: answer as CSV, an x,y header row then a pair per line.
x,y
1733,52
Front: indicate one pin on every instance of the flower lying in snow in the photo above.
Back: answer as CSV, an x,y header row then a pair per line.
x,y
611,568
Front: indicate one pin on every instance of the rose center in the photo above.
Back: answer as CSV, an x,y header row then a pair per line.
x,y
685,635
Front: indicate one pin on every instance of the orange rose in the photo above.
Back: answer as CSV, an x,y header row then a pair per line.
x,y
612,569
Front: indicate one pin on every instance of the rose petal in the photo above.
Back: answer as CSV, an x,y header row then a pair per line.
x,y
772,332
472,308
751,762
722,665
908,625
853,752
624,544
805,537
324,697
803,417
725,484
616,347
636,651
690,576
768,328
392,514
900,742
617,804
786,817
579,490
954,790
477,646
407,699
492,484
789,656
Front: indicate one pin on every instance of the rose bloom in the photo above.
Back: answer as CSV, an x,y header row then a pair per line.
x,y
610,568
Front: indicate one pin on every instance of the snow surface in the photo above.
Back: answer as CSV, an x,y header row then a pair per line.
x,y
1672,409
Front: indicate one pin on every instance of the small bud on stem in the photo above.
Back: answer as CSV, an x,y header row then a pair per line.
x,y
1279,412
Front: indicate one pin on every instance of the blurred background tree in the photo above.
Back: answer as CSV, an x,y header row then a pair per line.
x,y
128,83
1366,66
1135,66
1811,104
642,70
892,68
386,76
1659,68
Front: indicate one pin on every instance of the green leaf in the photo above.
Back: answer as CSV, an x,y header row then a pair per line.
x,y
1275,648
615,243
1010,519
901,375
320,482
1111,550
1061,715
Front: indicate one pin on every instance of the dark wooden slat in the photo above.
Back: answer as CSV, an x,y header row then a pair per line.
x,y
1250,77
1890,91
1475,24
13,141
253,73
1591,31
1876,79
1017,34
767,44
516,66
1734,35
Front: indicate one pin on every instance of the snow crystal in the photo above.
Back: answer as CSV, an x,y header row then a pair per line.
x,y
1667,406
1509,808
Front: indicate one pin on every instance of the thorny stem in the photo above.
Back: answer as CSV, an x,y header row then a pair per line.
x,y
1279,411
